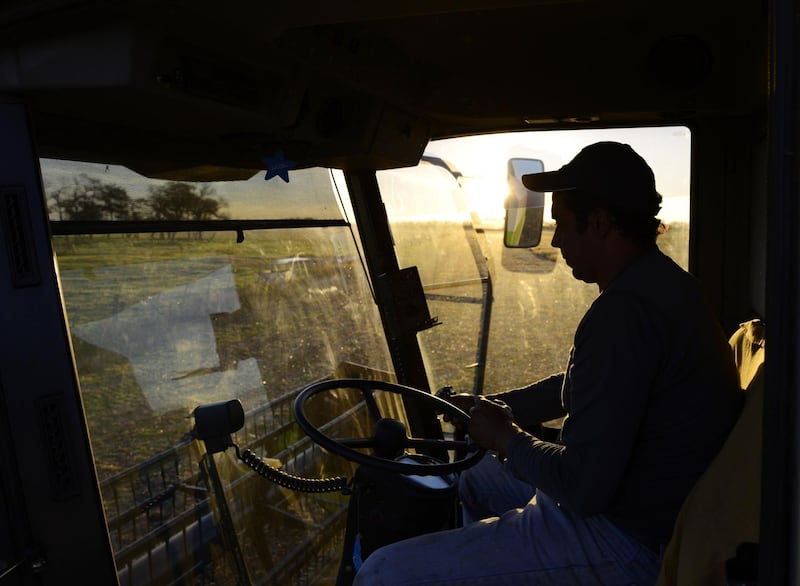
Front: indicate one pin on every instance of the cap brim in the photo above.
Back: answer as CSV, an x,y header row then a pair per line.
x,y
550,181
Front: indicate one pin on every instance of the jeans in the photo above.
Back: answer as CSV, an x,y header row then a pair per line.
x,y
489,490
537,544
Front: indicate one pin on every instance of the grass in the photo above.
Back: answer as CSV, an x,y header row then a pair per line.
x,y
298,321
537,305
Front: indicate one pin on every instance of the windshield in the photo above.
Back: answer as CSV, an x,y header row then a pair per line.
x,y
182,295
85,191
173,303
534,302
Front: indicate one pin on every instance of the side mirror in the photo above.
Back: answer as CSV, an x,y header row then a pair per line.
x,y
524,208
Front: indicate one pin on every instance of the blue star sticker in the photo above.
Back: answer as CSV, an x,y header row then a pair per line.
x,y
278,165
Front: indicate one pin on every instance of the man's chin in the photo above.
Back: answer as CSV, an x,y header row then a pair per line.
x,y
582,277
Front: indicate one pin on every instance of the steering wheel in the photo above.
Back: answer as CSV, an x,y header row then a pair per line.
x,y
390,438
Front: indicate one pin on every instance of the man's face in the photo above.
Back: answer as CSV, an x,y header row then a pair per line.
x,y
578,247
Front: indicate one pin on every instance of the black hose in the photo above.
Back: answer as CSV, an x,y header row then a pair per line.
x,y
281,478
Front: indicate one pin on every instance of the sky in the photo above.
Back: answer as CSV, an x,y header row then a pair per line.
x,y
482,160
308,194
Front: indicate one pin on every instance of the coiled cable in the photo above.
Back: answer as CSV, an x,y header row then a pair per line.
x,y
290,481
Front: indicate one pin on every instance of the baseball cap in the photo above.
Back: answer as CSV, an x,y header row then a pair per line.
x,y
611,172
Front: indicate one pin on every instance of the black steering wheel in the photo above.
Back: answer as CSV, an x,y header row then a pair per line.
x,y
390,438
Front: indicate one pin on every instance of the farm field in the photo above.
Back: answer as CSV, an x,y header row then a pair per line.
x,y
160,325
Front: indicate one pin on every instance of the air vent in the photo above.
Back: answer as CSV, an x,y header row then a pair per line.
x,y
64,483
15,226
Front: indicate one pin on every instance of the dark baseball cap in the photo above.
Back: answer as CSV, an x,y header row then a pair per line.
x,y
611,172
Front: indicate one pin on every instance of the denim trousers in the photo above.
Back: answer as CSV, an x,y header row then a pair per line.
x,y
539,543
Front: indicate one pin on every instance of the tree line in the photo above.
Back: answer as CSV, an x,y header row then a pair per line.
x,y
89,199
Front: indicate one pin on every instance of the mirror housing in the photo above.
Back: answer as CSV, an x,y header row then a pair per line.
x,y
524,208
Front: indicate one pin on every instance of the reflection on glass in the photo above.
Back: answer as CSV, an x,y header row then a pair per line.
x,y
535,303
80,191
164,322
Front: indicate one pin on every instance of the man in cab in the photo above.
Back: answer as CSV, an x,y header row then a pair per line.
x,y
649,394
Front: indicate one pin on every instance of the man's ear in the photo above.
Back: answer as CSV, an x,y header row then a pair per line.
x,y
601,221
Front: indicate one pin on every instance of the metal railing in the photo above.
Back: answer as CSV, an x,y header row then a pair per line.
x,y
162,522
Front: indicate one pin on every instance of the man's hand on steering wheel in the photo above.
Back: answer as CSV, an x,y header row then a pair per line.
x,y
492,425
495,421
463,401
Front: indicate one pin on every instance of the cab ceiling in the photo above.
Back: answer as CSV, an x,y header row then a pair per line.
x,y
182,89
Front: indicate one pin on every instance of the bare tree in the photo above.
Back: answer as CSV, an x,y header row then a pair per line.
x,y
175,201
89,199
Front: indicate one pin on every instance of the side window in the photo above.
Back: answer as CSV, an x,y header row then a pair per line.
x,y
534,301
432,230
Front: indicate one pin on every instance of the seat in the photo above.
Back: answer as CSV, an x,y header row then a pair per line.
x,y
723,509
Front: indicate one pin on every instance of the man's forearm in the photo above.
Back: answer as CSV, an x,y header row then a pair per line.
x,y
536,403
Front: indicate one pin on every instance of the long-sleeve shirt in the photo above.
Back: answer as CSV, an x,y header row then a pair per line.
x,y
650,392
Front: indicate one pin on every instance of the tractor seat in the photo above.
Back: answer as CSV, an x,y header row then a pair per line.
x,y
721,515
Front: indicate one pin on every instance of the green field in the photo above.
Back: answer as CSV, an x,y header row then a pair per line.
x,y
161,325
295,319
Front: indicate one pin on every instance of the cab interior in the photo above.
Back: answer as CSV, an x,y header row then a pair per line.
x,y
200,91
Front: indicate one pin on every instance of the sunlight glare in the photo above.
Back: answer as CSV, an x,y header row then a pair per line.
x,y
483,159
